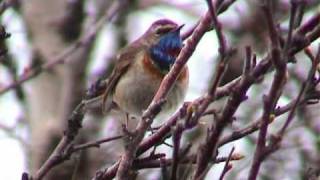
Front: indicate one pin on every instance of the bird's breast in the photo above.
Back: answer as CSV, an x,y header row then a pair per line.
x,y
137,87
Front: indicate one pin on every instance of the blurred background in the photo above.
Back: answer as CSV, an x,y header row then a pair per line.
x,y
33,115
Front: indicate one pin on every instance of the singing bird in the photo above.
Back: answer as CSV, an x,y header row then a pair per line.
x,y
141,66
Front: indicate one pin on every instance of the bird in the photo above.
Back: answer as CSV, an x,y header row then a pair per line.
x,y
141,66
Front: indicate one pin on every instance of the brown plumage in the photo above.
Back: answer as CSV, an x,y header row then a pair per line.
x,y
136,76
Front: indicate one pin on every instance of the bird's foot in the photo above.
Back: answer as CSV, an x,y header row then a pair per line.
x,y
126,132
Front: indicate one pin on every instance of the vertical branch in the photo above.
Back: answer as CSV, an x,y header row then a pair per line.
x,y
299,13
176,148
274,94
164,169
293,13
210,145
247,64
276,139
218,27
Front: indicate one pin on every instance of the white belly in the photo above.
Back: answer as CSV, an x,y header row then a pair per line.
x,y
136,89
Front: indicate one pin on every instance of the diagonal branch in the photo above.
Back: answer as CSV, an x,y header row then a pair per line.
x,y
62,58
227,166
62,150
154,108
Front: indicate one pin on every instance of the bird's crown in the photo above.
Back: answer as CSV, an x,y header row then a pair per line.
x,y
161,27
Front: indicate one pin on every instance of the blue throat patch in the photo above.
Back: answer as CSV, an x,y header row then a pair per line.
x,y
161,52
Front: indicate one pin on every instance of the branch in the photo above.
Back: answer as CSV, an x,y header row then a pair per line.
x,y
95,144
191,159
62,151
65,149
307,84
62,58
57,157
274,94
310,24
154,108
5,4
236,90
164,130
227,166
209,146
10,131
176,147
303,89
256,125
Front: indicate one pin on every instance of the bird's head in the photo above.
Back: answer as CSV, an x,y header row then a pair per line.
x,y
163,38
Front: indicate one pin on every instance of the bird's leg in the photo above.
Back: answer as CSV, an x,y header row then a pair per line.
x,y
127,133
127,120
125,126
153,129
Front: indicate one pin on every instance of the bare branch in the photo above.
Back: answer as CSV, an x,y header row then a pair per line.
x,y
303,89
95,144
274,94
176,148
149,114
210,145
155,163
61,58
61,152
227,166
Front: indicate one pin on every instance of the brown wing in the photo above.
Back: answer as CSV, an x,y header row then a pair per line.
x,y
124,60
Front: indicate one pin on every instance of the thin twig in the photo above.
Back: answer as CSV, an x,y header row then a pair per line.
x,y
60,154
162,92
256,125
248,59
276,139
191,159
5,4
210,144
238,89
227,166
154,107
176,148
294,7
95,144
57,157
303,89
275,91
62,58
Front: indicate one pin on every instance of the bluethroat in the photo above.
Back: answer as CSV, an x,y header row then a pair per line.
x,y
141,66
